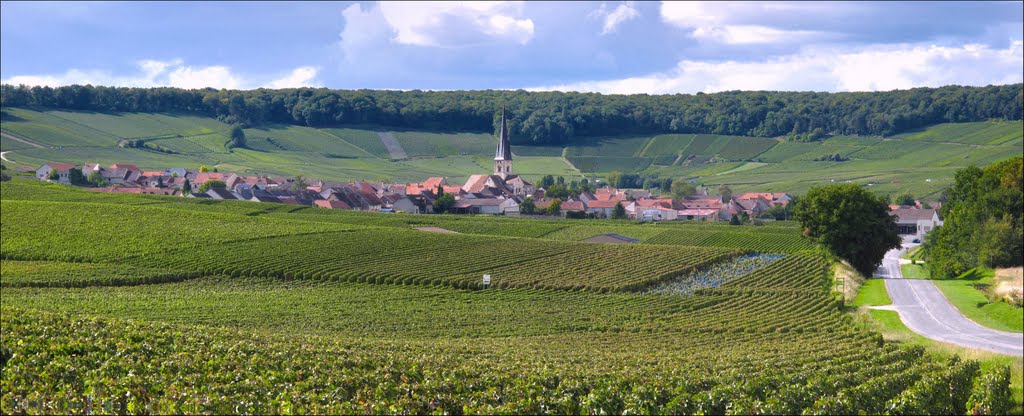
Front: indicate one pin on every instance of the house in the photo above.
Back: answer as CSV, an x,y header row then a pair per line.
x,y
915,222
697,214
772,198
178,172
63,172
603,209
478,206
132,168
754,207
657,213
322,203
217,193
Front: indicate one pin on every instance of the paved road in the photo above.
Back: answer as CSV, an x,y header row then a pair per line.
x,y
3,156
924,309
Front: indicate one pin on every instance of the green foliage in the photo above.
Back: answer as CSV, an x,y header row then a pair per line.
x,y
682,188
299,184
557,190
53,175
444,203
543,117
212,184
76,177
619,212
186,187
992,395
275,309
528,206
851,222
96,179
237,137
982,220
555,207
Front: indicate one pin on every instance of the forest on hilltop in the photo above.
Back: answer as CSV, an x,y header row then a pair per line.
x,y
557,118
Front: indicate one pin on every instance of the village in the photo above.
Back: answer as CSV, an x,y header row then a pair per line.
x,y
500,193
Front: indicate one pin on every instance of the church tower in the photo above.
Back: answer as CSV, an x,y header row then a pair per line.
x,y
503,156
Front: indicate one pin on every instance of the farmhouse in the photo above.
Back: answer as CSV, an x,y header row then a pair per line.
x,y
63,172
915,222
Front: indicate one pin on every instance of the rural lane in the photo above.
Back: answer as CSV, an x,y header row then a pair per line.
x,y
925,310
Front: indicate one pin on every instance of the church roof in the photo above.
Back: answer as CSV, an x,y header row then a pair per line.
x,y
504,151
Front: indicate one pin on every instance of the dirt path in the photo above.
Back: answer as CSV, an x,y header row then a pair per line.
x,y
18,139
3,156
392,144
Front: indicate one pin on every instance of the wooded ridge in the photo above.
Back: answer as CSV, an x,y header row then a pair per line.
x,y
557,118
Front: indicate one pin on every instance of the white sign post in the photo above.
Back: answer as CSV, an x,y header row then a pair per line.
x,y
487,281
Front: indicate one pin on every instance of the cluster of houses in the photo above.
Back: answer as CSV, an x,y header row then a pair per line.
x,y
501,193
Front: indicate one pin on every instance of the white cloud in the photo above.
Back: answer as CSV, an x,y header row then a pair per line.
x,y
303,76
173,73
624,12
732,22
196,78
453,23
874,68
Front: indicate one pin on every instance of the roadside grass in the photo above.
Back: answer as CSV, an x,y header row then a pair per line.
x,y
888,323
915,271
968,292
915,253
872,293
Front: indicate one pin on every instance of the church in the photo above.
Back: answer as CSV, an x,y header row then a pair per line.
x,y
503,182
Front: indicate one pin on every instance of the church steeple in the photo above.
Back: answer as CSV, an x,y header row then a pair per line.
x,y
503,155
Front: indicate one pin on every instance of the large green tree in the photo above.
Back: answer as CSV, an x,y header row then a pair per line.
x,y
982,220
850,222
237,137
681,188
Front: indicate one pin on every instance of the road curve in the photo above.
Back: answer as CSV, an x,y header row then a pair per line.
x,y
925,310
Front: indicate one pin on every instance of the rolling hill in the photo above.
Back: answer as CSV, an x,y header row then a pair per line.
x,y
921,162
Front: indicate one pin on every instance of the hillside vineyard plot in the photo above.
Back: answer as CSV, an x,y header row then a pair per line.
x,y
230,308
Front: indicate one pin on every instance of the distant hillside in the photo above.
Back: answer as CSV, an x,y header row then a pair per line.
x,y
921,162
556,118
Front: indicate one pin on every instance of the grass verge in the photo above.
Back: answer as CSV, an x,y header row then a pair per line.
x,y
888,323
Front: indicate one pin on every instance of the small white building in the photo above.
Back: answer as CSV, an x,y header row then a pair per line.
x,y
63,172
914,221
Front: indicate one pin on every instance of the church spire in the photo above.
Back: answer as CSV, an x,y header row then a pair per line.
x,y
504,151
503,155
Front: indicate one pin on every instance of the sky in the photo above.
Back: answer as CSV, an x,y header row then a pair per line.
x,y
606,47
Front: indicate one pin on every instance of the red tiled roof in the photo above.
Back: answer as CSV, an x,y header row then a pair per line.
x,y
432,182
602,204
475,183
572,206
331,204
122,165
152,173
60,166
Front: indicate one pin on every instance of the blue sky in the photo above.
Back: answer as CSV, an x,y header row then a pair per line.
x,y
608,47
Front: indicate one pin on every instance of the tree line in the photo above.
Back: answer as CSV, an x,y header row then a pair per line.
x,y
556,118
982,224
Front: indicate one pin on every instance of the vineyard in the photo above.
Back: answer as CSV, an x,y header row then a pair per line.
x,y
143,304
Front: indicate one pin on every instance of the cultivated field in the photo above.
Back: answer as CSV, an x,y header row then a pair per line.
x,y
921,162
121,304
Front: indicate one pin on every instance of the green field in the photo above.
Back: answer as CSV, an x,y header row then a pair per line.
x,y
920,162
125,303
